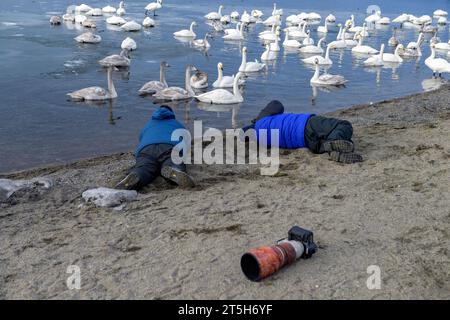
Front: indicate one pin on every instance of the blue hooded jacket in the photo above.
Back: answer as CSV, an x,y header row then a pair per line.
x,y
159,129
291,126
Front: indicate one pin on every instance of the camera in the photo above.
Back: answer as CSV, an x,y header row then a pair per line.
x,y
306,238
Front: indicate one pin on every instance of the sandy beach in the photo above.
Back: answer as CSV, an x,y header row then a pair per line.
x,y
392,210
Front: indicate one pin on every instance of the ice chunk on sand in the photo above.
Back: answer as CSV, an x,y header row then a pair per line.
x,y
106,197
8,187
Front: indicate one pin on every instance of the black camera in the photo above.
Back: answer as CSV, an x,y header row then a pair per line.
x,y
306,238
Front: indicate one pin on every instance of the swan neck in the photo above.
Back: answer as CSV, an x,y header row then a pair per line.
x,y
162,76
327,53
192,27
244,61
220,74
236,92
316,73
187,82
111,88
220,10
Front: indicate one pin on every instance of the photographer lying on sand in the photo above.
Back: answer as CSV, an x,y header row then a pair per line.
x,y
318,134
153,154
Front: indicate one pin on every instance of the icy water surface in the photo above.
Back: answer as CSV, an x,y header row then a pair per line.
x,y
41,63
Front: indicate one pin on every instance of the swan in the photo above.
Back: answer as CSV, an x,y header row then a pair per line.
x,y
308,41
69,17
422,20
153,6
79,18
202,43
235,35
177,93
55,20
116,20
225,19
121,10
293,20
300,32
247,18
375,60
340,41
257,13
350,24
186,33
268,35
330,18
411,52
215,15
233,30
116,60
96,12
222,96
272,20
361,30
249,66
326,79
268,55
373,18
131,26
395,57
82,8
152,87
445,46
96,93
275,46
442,21
323,61
323,29
360,48
224,81
88,37
148,22
383,21
440,13
314,16
418,43
276,12
88,23
401,19
109,9
437,65
316,49
393,41
235,15
128,44
290,43
199,80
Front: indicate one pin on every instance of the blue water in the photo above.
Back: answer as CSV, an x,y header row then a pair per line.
x,y
40,64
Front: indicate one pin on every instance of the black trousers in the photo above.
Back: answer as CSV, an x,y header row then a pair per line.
x,y
318,128
151,160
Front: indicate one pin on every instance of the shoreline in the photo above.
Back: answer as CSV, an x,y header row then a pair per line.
x,y
390,211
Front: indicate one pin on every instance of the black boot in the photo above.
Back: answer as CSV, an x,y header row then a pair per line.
x,y
179,177
345,157
338,145
130,182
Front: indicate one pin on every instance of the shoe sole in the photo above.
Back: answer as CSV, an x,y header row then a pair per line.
x,y
179,177
347,158
338,145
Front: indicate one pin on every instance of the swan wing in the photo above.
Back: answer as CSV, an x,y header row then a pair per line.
x,y
152,87
218,96
88,93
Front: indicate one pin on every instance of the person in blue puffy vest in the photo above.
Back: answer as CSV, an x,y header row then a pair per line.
x,y
317,133
153,154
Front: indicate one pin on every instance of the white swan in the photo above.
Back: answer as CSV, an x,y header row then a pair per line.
x,y
360,48
375,60
88,37
330,18
148,22
233,30
276,12
152,87
437,65
224,81
373,18
300,31
116,20
121,10
290,43
411,52
247,18
69,17
235,15
268,35
222,96
177,93
257,13
323,61
272,20
308,41
131,26
404,17
79,18
235,35
202,43
393,41
383,21
326,79
440,13
88,23
444,46
109,9
249,66
314,16
55,20
417,43
317,49
83,8
128,44
96,93
268,55
117,60
199,80
186,33
323,29
215,15
153,6
226,19
96,12
275,46
394,58
340,41
442,21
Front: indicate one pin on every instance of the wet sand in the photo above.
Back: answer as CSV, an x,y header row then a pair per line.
x,y
392,210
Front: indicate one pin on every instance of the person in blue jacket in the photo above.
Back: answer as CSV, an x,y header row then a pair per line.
x,y
153,154
317,133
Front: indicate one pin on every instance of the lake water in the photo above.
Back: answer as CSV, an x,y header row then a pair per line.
x,y
40,64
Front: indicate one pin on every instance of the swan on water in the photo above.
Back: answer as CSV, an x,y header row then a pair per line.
x,y
270,35
109,9
442,21
128,44
360,48
148,22
444,46
275,46
401,19
79,18
247,18
393,41
383,21
308,41
153,6
96,93
177,93
300,31
440,13
199,80
88,23
55,20
131,26
202,43
233,30
411,52
187,33
235,35
121,10
437,65
96,12
323,29
272,20
313,16
116,20
316,49
249,66
276,12
375,60
68,17
257,13
121,60
215,15
226,19
235,15
152,87
330,18
268,55
417,43
82,8
88,37
323,61
224,81
373,18
290,43
326,79
222,96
